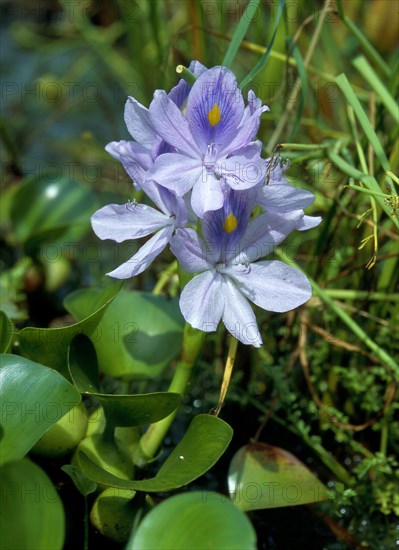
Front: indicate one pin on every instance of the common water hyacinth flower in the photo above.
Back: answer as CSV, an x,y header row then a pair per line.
x,y
122,222
214,141
197,146
230,273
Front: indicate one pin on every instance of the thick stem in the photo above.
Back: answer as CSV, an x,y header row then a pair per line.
x,y
384,436
152,439
165,278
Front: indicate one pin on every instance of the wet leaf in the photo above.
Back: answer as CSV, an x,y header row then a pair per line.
x,y
32,515
200,519
34,398
140,333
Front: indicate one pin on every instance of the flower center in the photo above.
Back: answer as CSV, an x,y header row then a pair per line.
x,y
214,115
230,223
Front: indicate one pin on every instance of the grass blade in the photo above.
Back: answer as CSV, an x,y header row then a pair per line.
x,y
351,98
368,73
296,54
263,60
240,32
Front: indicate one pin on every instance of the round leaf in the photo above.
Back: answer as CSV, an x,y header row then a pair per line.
x,y
199,519
138,335
262,476
34,398
32,515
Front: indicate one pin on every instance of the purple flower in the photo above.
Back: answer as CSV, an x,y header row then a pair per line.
x,y
121,222
132,221
138,156
229,273
197,145
214,141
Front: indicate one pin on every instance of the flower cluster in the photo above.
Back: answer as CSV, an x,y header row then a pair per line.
x,y
195,155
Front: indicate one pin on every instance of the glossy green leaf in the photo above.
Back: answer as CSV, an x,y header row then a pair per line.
x,y
83,485
32,515
128,436
200,519
115,511
64,436
263,476
34,398
51,345
81,303
106,454
6,332
137,409
83,364
202,445
44,205
120,410
111,451
140,333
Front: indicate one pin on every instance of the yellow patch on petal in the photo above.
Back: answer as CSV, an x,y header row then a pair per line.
x,y
230,223
214,115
